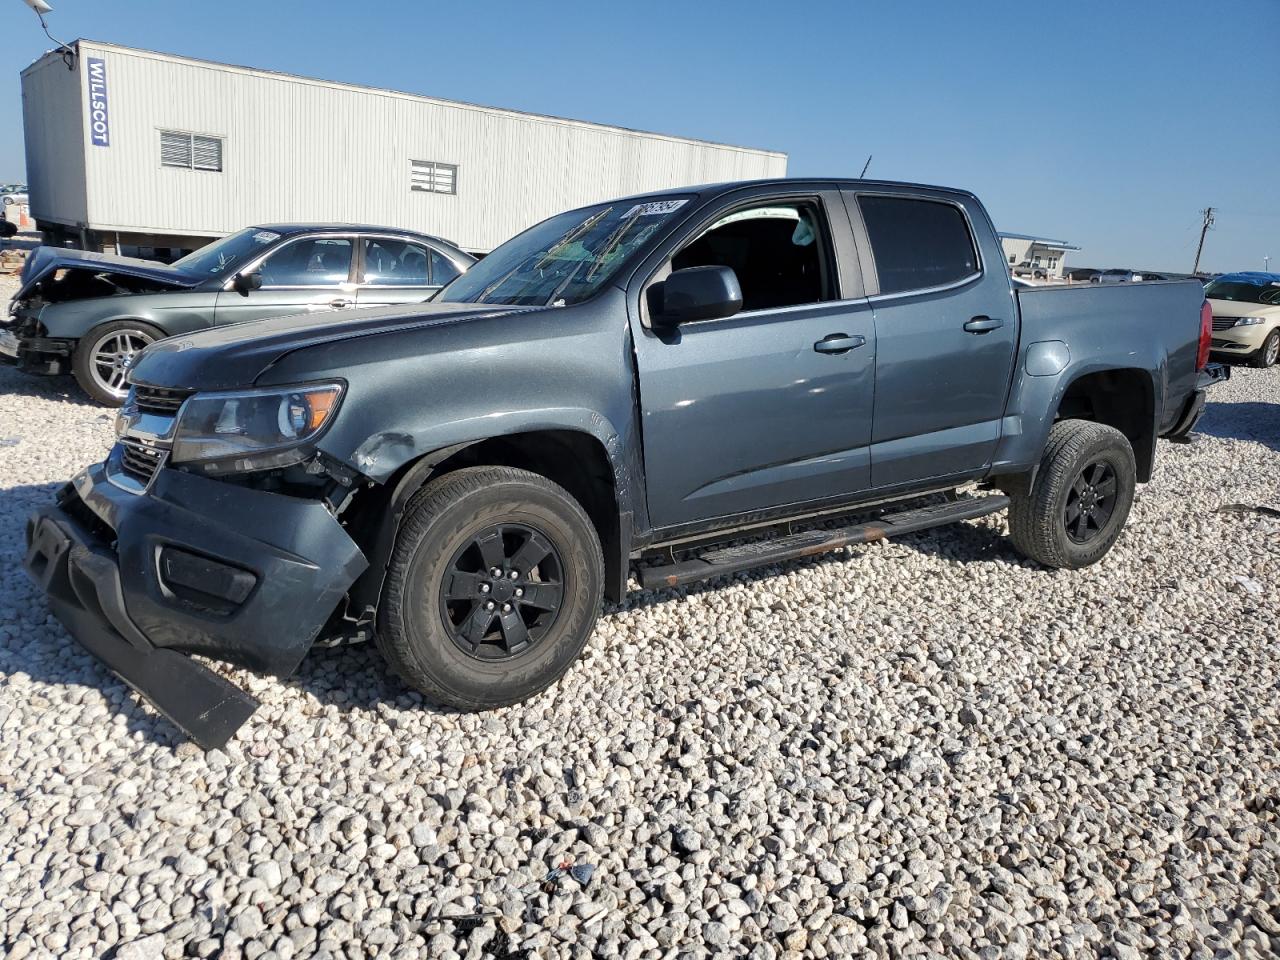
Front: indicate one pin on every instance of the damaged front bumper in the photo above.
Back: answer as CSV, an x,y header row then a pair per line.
x,y
193,566
22,342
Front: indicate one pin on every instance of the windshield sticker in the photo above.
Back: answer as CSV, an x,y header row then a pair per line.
x,y
654,208
265,236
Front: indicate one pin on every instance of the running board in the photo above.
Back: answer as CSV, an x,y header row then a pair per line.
x,y
719,563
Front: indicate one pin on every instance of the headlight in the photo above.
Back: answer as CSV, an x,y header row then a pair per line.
x,y
1250,321
253,429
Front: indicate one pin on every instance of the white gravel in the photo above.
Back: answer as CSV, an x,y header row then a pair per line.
x,y
924,747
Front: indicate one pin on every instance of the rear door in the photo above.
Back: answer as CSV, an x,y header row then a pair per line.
x,y
755,411
946,331
308,273
395,269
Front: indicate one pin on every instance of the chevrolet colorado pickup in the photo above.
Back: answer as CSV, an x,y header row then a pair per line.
x,y
464,480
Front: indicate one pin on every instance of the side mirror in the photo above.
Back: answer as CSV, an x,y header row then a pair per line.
x,y
699,293
244,282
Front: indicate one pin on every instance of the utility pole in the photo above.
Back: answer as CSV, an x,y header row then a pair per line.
x,y
1208,222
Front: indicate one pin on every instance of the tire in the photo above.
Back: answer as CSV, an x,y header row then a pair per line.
x,y
425,635
1039,518
102,357
1269,351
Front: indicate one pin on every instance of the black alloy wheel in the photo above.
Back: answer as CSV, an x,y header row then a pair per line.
x,y
502,592
1090,501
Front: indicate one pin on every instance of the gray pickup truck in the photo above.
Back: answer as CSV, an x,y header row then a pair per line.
x,y
681,378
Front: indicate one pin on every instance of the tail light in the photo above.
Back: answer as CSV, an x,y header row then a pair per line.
x,y
1206,335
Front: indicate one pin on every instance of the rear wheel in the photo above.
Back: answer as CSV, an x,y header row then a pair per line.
x,y
1074,512
104,355
493,587
1269,352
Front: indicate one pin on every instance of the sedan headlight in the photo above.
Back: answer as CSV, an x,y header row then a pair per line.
x,y
242,431
1250,321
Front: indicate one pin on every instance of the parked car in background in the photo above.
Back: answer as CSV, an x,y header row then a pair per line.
x,y
91,314
464,480
1246,316
13,194
1083,275
1028,269
1116,276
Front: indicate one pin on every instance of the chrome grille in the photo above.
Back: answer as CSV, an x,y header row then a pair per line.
x,y
159,399
1224,323
139,461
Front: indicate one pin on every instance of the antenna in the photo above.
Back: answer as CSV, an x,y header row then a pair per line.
x,y
41,8
865,165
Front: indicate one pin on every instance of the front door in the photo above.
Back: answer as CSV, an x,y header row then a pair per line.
x,y
946,330
773,405
302,275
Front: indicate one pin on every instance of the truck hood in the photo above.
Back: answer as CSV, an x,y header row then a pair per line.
x,y
231,357
44,260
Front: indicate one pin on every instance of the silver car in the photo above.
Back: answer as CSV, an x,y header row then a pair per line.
x,y
90,314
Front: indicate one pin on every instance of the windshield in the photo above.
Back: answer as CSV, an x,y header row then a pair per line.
x,y
565,259
1245,291
223,256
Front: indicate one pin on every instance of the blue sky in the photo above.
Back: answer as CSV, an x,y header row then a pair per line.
x,y
1108,124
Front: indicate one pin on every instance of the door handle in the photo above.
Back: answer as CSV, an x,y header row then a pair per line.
x,y
838,343
983,324
339,303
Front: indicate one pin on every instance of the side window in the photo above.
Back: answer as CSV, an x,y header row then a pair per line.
x,y
395,263
777,250
917,243
313,262
442,269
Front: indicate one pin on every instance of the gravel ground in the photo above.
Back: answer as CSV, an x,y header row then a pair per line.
x,y
924,747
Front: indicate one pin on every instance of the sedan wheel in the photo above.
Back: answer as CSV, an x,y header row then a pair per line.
x,y
104,357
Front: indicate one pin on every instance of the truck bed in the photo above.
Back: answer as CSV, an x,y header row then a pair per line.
x,y
1155,322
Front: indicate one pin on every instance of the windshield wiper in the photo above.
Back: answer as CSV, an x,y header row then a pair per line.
x,y
571,236
568,238
596,262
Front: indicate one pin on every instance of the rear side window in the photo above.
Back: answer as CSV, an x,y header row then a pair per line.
x,y
442,270
395,263
917,243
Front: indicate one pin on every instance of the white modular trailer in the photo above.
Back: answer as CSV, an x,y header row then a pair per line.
x,y
128,144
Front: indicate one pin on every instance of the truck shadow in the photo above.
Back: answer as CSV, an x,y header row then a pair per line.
x,y
1252,421
350,678
958,543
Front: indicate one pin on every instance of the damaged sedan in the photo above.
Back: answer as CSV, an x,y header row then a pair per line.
x,y
90,314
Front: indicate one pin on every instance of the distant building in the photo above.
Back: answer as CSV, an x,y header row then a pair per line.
x,y
1038,251
129,148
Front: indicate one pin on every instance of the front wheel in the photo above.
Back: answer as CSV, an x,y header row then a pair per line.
x,y
104,355
494,585
1269,352
1075,510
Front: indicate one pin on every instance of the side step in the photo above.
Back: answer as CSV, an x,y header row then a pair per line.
x,y
719,563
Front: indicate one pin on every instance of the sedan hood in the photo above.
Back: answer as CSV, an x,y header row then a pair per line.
x,y
45,260
234,356
1242,308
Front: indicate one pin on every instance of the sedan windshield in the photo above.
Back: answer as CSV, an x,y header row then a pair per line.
x,y
563,260
223,256
1245,291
